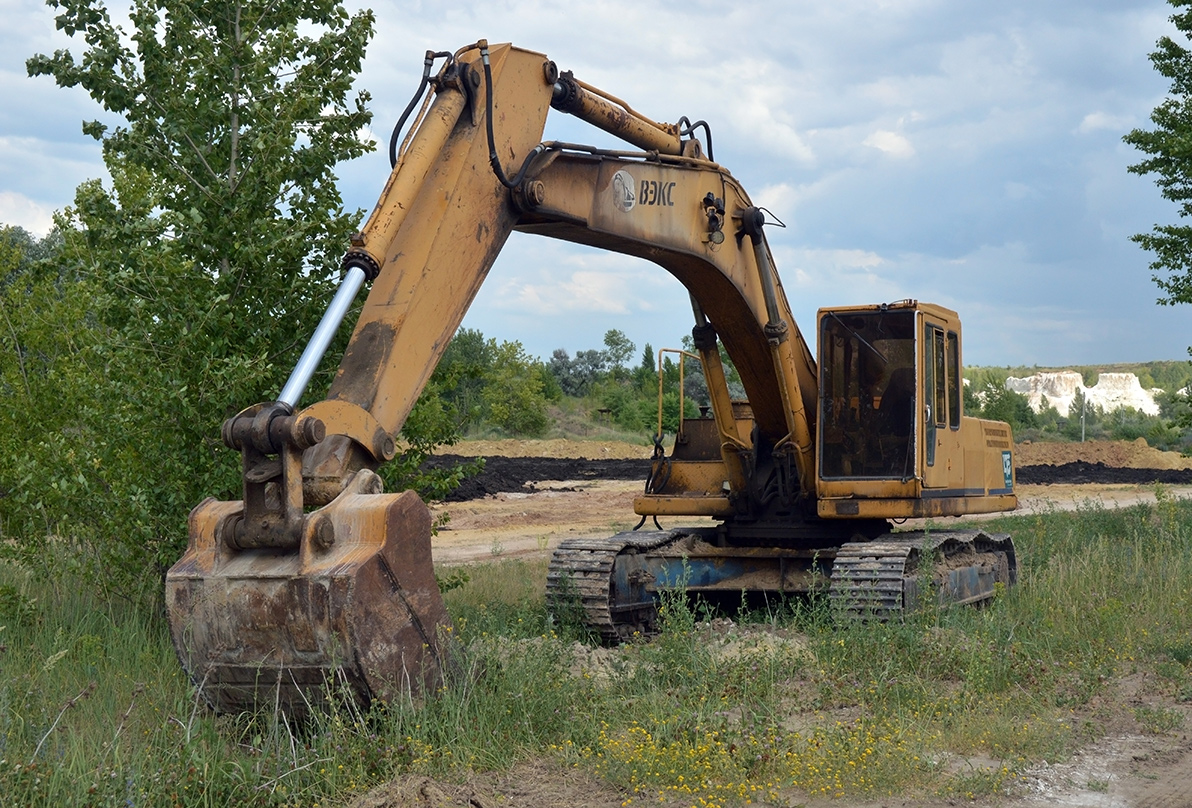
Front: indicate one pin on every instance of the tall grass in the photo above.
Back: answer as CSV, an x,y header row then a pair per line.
x,y
95,711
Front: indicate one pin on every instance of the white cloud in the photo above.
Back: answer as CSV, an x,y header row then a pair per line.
x,y
780,196
1018,190
1102,120
997,120
367,136
844,276
891,143
863,259
784,198
16,209
582,291
550,279
780,137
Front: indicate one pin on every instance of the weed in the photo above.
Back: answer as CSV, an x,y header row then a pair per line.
x,y
452,580
567,612
16,607
701,715
978,783
1180,651
1159,720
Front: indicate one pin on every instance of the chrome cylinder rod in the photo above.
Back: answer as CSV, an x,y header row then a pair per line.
x,y
322,337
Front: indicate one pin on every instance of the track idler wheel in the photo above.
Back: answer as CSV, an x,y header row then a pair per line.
x,y
354,611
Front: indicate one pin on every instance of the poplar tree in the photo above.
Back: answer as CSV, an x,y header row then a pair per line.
x,y
1169,156
203,263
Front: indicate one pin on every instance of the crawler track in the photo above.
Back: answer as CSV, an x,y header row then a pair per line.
x,y
581,572
883,578
879,579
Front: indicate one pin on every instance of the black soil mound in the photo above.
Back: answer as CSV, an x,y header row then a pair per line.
x,y
1080,472
519,474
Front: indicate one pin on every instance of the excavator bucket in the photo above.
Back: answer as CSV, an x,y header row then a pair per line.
x,y
354,612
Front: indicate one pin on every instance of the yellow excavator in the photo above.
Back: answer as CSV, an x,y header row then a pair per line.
x,y
316,580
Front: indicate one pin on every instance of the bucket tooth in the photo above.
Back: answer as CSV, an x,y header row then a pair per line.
x,y
356,607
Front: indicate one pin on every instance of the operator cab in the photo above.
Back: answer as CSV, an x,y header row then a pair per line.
x,y
893,440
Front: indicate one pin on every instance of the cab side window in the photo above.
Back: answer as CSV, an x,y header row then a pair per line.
x,y
954,381
939,405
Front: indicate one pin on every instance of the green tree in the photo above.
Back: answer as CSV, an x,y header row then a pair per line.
x,y
618,348
694,383
203,266
45,477
1168,156
431,424
459,378
1176,407
670,411
645,375
1084,420
513,391
1000,403
238,116
480,381
552,391
26,249
576,376
624,407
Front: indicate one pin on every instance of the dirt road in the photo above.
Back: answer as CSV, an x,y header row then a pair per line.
x,y
532,525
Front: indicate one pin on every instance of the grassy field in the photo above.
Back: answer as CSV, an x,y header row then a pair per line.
x,y
778,705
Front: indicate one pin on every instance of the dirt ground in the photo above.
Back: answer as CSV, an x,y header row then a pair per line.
x,y
527,524
590,450
508,467
520,525
1119,453
1126,768
1116,453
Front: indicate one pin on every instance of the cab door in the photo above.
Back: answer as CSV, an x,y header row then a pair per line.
x,y
943,455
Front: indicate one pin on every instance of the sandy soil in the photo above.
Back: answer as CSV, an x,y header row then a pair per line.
x,y
590,450
507,525
1123,771
1127,768
1118,453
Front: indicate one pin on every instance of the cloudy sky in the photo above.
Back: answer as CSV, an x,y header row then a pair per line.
x,y
967,154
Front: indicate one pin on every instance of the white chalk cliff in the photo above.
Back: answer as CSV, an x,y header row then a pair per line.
x,y
1113,391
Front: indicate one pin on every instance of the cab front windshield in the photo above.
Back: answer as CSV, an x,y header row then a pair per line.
x,y
867,394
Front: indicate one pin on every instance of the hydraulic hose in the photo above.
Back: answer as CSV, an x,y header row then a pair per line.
x,y
427,63
493,159
687,128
